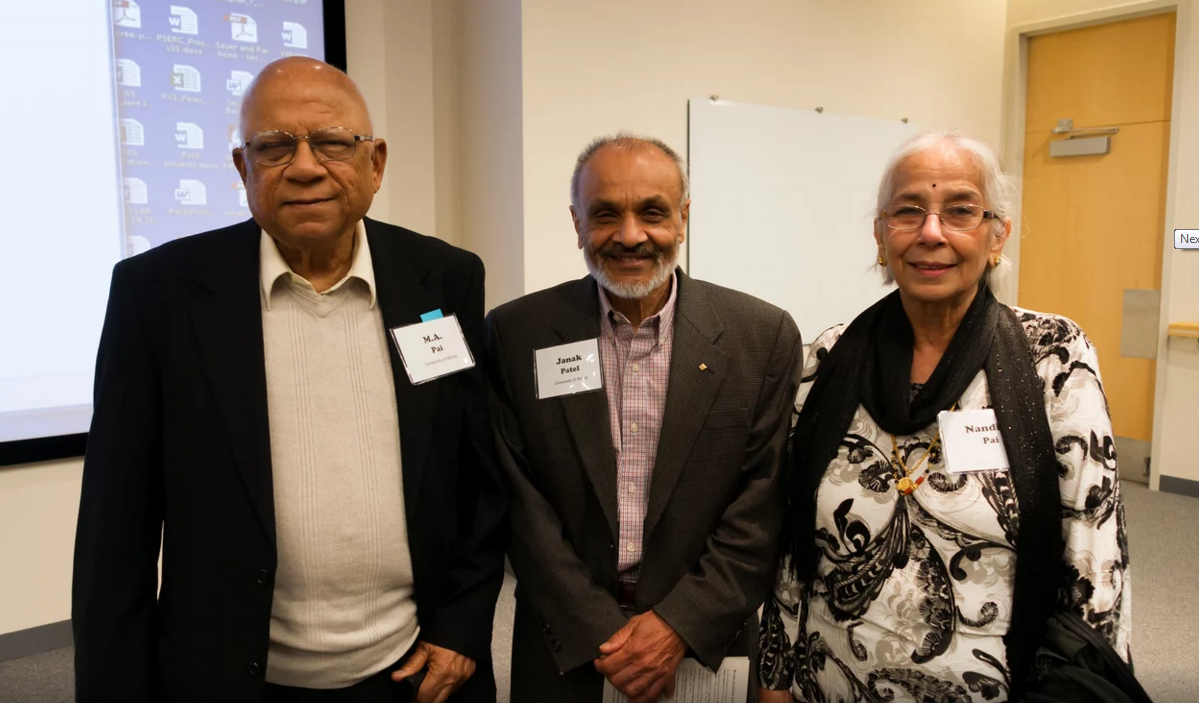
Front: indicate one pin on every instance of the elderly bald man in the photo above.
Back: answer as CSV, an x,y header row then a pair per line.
x,y
325,498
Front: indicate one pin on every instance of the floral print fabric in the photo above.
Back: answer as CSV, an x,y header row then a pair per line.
x,y
913,592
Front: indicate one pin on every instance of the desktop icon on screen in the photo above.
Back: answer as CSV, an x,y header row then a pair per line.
x,y
126,13
241,194
129,73
188,135
238,82
135,191
132,132
191,192
234,137
135,245
295,36
184,20
243,27
185,78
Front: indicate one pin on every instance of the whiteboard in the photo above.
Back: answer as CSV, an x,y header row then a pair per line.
x,y
782,206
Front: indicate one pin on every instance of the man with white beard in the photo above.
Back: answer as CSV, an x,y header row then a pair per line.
x,y
641,417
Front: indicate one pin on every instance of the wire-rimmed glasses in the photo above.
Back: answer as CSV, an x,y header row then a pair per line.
x,y
957,218
276,148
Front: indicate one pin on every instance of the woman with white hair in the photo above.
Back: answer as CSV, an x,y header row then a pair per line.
x,y
916,565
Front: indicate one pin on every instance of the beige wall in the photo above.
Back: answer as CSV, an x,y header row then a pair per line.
x,y
594,68
443,81
490,141
38,507
485,103
390,55
1177,395
447,107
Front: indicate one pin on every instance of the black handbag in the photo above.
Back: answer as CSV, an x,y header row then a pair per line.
x,y
1075,664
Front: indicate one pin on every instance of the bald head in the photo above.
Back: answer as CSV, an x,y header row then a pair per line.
x,y
313,199
299,78
629,142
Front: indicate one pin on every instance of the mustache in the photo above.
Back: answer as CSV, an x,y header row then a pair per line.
x,y
645,248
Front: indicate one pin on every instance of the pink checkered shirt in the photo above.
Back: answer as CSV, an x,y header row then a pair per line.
x,y
636,375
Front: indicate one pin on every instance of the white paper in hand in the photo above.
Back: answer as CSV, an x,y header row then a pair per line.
x,y
696,684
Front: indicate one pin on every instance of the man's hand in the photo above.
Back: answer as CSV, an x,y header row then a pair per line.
x,y
640,659
766,695
447,672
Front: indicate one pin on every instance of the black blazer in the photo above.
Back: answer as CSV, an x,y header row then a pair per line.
x,y
715,503
179,449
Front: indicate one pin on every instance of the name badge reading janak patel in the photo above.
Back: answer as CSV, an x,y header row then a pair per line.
x,y
972,441
432,349
568,369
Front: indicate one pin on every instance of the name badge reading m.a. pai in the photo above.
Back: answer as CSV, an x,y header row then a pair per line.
x,y
432,349
972,441
568,369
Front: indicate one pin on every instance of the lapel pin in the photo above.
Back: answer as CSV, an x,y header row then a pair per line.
x,y
703,367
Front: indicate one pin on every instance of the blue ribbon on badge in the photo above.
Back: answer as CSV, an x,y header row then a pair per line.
x,y
431,315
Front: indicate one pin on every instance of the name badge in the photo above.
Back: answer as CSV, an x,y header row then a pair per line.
x,y
971,441
568,369
432,349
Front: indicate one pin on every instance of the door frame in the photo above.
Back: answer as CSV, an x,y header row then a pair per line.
x,y
1015,91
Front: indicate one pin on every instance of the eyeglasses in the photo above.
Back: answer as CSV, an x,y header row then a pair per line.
x,y
277,148
957,218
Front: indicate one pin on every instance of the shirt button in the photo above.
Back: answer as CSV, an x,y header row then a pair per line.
x,y
636,368
632,548
632,488
633,428
254,669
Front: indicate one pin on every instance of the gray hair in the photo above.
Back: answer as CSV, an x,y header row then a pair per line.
x,y
998,188
628,140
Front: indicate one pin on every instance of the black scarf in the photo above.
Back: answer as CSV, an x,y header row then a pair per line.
x,y
871,365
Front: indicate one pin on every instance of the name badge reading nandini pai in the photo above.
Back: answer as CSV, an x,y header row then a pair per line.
x,y
568,369
432,349
972,441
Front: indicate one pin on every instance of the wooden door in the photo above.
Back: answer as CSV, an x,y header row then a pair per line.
x,y
1092,225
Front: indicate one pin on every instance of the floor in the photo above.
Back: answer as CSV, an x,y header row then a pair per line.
x,y
1165,567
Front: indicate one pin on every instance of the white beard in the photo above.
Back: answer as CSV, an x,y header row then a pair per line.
x,y
634,290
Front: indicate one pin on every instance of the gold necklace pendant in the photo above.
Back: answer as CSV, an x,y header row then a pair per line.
x,y
905,484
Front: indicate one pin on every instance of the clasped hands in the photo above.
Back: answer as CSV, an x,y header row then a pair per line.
x,y
448,670
640,658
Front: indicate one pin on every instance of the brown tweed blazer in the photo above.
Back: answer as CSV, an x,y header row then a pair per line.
x,y
712,525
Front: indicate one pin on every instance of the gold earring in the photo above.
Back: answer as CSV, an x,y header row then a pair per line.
x,y
995,262
881,260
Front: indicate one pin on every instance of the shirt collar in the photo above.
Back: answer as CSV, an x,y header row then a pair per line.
x,y
271,266
662,320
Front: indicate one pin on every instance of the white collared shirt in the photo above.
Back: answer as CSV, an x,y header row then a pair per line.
x,y
271,266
